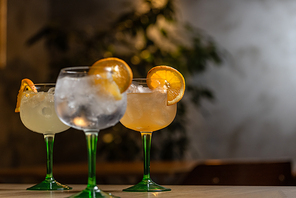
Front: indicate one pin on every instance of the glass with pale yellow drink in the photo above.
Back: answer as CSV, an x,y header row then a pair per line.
x,y
37,112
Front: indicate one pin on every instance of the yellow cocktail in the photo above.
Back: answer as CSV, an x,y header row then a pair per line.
x,y
36,106
38,114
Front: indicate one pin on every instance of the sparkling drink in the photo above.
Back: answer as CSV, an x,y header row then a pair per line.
x,y
87,107
89,102
38,114
152,105
148,111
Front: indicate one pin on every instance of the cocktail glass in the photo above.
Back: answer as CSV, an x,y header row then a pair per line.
x,y
82,103
38,114
147,111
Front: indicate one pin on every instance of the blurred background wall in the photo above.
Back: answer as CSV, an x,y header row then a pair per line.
x,y
18,146
252,116
254,112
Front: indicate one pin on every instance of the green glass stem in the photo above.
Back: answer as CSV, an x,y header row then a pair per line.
x,y
91,140
49,183
146,140
92,191
49,140
146,185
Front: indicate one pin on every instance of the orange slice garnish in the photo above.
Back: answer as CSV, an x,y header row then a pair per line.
x,y
168,78
26,85
122,75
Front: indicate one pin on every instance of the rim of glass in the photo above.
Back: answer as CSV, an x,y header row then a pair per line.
x,y
82,69
71,69
145,79
42,84
134,79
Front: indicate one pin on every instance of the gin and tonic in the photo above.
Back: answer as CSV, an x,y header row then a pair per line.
x,y
37,112
89,99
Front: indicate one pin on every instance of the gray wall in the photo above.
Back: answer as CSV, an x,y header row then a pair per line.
x,y
254,113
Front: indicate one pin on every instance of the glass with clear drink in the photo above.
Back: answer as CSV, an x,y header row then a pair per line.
x,y
84,102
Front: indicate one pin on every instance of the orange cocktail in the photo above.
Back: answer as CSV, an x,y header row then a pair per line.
x,y
151,106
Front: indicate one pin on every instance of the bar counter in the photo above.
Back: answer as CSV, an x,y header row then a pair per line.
x,y
184,191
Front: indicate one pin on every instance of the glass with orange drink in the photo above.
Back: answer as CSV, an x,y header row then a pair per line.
x,y
151,106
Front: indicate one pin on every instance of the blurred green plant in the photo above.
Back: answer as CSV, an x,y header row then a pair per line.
x,y
144,40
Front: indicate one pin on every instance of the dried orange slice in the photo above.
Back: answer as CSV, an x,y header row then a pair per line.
x,y
167,78
121,73
26,84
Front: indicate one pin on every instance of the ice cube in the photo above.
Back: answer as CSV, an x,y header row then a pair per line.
x,y
142,89
47,111
51,90
161,89
132,89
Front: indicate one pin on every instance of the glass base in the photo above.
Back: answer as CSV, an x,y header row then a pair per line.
x,y
50,185
93,193
146,186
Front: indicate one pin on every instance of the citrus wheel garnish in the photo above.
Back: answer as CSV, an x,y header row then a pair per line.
x,y
167,78
122,75
26,85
